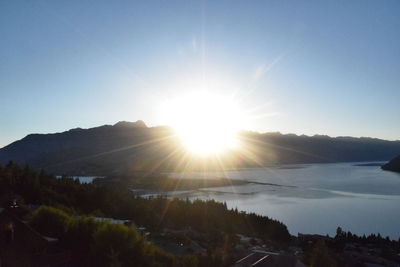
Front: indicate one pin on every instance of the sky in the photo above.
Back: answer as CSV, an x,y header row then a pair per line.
x,y
303,67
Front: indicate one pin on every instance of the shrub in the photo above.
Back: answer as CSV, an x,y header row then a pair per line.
x,y
50,221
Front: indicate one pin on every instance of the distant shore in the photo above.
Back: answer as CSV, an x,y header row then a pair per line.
x,y
162,183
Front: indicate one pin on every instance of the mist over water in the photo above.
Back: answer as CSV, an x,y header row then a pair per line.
x,y
313,198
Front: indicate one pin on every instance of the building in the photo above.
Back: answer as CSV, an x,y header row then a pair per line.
x,y
268,259
20,245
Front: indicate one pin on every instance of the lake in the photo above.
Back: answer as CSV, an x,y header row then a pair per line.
x,y
82,179
313,198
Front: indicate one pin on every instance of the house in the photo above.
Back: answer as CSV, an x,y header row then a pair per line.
x,y
313,238
20,245
113,221
268,259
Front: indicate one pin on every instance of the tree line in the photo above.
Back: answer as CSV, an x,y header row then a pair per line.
x,y
68,199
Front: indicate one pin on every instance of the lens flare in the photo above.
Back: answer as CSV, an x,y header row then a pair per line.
x,y
206,123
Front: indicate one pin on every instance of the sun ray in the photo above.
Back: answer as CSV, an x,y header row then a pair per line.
x,y
205,123
148,142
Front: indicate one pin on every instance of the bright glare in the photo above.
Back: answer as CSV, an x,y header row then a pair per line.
x,y
206,123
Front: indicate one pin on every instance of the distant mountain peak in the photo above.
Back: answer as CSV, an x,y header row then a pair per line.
x,y
128,124
76,130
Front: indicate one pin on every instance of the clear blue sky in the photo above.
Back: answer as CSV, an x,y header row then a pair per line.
x,y
306,67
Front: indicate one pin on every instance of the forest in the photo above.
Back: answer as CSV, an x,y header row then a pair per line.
x,y
63,208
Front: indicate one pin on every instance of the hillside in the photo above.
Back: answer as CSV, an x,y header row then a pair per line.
x,y
132,146
393,165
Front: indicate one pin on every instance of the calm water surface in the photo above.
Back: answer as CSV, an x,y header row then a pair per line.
x,y
314,198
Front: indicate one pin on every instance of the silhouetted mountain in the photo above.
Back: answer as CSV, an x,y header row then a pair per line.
x,y
393,165
128,124
126,147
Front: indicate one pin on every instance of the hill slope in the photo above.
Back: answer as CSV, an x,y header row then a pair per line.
x,y
127,146
393,165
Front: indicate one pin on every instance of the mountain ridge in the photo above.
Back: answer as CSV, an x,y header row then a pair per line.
x,y
133,146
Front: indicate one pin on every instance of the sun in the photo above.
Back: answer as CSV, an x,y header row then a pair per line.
x,y
206,123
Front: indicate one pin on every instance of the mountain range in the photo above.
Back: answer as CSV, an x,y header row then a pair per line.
x,y
132,146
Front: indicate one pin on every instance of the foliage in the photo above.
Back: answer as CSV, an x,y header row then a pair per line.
x,y
118,202
51,221
321,256
106,244
213,219
343,237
